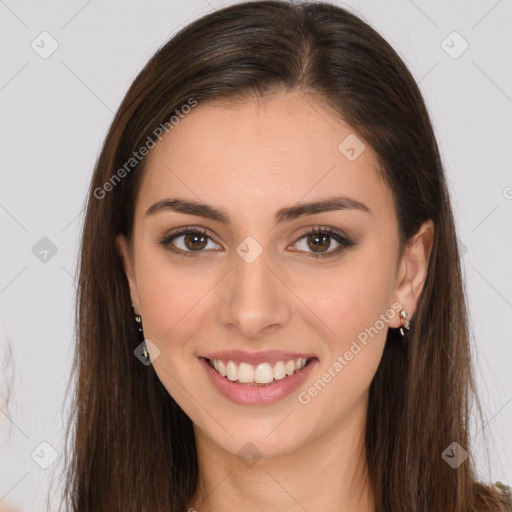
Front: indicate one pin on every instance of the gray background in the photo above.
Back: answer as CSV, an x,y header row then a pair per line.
x,y
55,112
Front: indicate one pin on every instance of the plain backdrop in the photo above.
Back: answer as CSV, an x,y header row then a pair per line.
x,y
56,109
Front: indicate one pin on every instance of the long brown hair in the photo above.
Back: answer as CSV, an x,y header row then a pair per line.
x,y
132,448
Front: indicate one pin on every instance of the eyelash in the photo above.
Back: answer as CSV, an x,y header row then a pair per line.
x,y
341,239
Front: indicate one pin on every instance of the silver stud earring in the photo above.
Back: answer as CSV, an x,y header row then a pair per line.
x,y
405,324
138,319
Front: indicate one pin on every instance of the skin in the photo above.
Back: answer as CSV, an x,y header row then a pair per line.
x,y
251,159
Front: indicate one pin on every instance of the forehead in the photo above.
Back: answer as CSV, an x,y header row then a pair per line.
x,y
263,153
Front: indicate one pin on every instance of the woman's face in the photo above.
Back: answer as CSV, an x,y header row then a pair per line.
x,y
258,288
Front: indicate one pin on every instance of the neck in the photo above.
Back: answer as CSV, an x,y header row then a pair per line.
x,y
329,473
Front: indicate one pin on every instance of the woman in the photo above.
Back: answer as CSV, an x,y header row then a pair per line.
x,y
271,314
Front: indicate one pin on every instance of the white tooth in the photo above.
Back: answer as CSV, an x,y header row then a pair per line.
x,y
279,370
245,372
221,368
231,371
263,374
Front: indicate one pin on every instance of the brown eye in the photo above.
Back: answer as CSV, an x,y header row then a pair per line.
x,y
319,243
195,242
319,240
187,241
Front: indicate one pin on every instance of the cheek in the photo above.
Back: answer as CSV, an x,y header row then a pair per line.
x,y
354,302
173,299
354,307
351,298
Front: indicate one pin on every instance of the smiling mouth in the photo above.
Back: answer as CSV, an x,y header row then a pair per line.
x,y
262,374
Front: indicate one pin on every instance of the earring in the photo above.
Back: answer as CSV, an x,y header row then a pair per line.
x,y
138,319
405,324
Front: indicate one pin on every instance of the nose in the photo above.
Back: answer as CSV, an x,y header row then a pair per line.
x,y
255,300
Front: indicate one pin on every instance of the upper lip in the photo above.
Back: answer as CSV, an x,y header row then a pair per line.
x,y
265,356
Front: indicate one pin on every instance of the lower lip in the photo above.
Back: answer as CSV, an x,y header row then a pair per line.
x,y
258,395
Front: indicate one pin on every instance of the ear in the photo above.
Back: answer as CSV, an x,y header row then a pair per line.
x,y
124,250
413,271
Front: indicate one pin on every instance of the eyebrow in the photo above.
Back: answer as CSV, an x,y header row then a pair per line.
x,y
283,215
